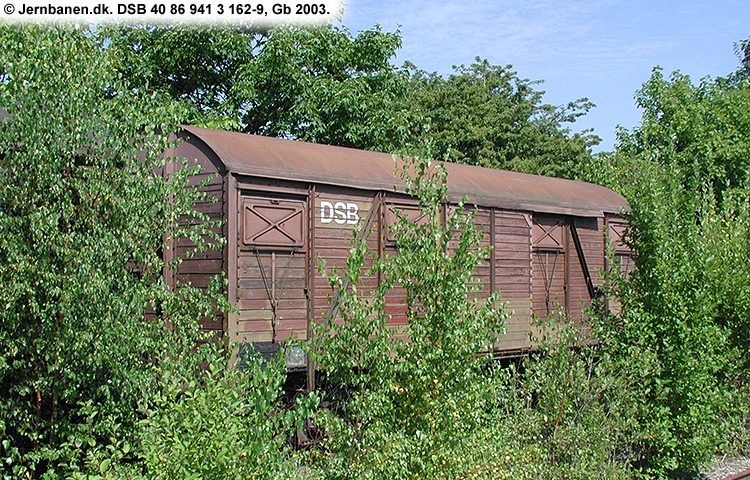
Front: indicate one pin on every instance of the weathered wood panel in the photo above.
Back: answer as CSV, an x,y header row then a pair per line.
x,y
518,268
199,268
621,256
550,244
512,242
338,213
271,268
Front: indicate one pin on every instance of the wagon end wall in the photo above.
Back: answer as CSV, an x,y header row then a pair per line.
x,y
199,268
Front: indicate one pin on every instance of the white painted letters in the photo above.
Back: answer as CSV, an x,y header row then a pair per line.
x,y
339,212
326,212
352,213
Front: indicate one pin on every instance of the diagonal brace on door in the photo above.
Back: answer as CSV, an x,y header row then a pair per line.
x,y
276,225
594,292
333,309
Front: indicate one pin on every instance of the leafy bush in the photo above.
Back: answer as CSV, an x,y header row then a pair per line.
x,y
685,310
83,217
222,423
572,410
412,403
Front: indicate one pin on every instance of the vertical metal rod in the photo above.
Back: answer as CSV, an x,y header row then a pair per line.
x,y
310,280
531,323
566,261
274,303
382,207
492,252
273,277
234,215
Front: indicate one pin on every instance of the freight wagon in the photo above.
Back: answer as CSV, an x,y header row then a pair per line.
x,y
288,205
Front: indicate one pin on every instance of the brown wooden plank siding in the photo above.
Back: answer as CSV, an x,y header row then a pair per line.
x,y
510,268
620,254
284,282
199,268
549,268
483,272
333,242
395,301
512,276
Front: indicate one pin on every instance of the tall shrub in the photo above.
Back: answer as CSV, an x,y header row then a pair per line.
x,y
409,405
84,214
223,423
684,171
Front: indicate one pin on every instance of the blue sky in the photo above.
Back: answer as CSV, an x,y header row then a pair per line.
x,y
600,49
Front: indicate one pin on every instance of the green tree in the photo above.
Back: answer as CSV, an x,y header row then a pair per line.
x,y
742,50
318,84
84,213
195,66
486,115
685,173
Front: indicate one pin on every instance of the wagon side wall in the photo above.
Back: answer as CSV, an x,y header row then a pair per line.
x,y
273,255
339,215
512,253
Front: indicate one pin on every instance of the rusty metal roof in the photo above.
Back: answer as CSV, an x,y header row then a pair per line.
x,y
745,474
276,158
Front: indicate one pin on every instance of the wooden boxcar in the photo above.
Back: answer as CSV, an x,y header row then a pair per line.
x,y
287,205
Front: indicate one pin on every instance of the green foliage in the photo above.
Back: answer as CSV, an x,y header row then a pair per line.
x,y
685,174
223,423
318,84
486,115
742,50
411,403
84,214
324,85
195,66
90,387
568,412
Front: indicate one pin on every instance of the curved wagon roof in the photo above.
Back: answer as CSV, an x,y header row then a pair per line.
x,y
269,157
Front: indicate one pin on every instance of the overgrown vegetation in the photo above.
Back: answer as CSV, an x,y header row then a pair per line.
x,y
410,404
81,219
222,423
435,406
685,174
89,384
93,387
